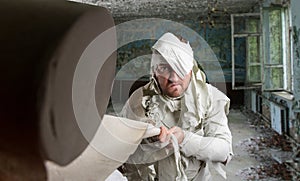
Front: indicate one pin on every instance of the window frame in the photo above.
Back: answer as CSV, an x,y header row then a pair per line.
x,y
258,34
286,51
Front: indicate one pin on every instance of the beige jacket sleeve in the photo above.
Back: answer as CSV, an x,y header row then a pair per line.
x,y
213,142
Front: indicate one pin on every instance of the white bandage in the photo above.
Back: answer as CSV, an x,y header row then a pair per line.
x,y
177,54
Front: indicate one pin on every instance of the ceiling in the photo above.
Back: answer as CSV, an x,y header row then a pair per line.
x,y
174,8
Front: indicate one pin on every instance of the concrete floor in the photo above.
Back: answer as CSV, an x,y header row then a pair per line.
x,y
241,130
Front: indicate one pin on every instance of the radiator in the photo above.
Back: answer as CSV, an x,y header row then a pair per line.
x,y
278,118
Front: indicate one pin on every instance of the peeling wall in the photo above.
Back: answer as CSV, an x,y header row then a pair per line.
x,y
295,122
295,4
218,38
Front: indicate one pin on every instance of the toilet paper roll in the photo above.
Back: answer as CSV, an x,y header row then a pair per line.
x,y
80,73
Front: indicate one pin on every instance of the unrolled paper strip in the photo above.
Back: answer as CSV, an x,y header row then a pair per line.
x,y
115,140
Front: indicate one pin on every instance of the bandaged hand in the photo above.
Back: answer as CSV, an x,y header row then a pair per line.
x,y
178,133
163,137
165,134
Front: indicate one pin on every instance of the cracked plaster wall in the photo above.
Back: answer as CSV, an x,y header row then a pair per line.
x,y
295,4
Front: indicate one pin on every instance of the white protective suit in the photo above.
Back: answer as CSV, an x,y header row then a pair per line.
x,y
201,113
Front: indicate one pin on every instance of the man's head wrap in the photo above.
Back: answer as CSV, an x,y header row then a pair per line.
x,y
179,55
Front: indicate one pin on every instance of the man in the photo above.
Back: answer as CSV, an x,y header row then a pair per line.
x,y
190,113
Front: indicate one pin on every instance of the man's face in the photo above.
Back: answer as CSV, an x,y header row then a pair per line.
x,y
170,83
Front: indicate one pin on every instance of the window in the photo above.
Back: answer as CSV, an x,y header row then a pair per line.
x,y
254,62
277,51
246,38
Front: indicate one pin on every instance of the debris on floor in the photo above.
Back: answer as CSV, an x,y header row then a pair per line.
x,y
274,152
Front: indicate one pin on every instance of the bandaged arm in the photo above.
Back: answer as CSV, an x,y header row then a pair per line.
x,y
213,143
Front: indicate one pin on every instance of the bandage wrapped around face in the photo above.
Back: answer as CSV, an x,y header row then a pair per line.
x,y
179,55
